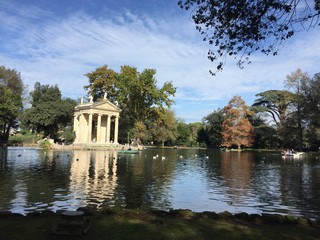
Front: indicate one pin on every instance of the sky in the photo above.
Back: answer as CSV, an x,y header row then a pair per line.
x,y
59,41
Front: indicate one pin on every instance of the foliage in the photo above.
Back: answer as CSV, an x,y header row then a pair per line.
x,y
296,113
236,128
66,135
45,144
194,130
265,136
163,128
136,94
310,105
277,104
242,27
297,81
48,112
11,89
184,134
102,80
140,132
213,128
23,138
188,134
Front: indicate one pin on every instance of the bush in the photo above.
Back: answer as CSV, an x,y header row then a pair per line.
x,y
45,144
20,139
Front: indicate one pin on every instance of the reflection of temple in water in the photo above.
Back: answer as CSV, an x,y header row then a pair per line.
x,y
93,177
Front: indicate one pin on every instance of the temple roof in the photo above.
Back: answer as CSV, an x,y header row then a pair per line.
x,y
102,106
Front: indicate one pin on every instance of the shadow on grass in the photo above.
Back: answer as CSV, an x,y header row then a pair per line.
x,y
178,224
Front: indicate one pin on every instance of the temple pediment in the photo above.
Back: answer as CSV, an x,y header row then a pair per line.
x,y
104,105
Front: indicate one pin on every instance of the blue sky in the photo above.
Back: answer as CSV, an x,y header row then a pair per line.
x,y
58,41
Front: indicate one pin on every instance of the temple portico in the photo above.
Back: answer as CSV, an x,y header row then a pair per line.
x,y
96,123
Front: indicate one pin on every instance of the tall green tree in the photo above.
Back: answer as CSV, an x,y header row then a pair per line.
x,y
184,135
277,104
136,93
297,82
194,130
49,112
11,90
164,127
312,112
240,28
140,132
236,128
265,135
213,128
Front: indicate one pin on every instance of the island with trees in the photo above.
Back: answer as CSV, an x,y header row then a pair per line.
x,y
278,118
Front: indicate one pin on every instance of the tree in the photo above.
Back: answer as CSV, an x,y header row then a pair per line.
x,y
265,136
11,90
242,27
136,93
164,127
297,81
194,130
184,137
102,80
277,104
311,111
48,112
213,127
236,128
140,132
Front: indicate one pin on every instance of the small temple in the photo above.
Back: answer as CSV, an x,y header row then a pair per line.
x,y
96,123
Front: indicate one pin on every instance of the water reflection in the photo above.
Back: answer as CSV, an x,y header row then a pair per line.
x,y
200,180
93,177
236,169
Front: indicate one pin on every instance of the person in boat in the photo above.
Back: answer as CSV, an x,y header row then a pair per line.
x,y
289,152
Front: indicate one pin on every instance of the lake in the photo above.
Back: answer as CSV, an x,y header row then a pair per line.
x,y
200,180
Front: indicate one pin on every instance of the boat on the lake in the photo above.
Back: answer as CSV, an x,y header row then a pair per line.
x,y
291,153
129,151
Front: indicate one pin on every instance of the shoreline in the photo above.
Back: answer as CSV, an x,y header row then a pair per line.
x,y
119,223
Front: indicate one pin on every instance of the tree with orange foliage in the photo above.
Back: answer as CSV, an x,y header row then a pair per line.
x,y
236,128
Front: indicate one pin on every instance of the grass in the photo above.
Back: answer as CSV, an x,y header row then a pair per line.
x,y
179,224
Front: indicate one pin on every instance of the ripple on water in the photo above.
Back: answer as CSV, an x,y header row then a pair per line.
x,y
251,182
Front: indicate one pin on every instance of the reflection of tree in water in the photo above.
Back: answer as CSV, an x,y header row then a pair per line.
x,y
236,169
143,181
299,185
288,186
29,178
6,183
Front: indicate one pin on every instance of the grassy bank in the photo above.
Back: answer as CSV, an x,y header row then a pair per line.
x,y
180,224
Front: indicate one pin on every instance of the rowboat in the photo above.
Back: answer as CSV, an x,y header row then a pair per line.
x,y
291,154
128,151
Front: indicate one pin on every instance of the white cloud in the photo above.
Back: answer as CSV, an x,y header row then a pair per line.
x,y
61,50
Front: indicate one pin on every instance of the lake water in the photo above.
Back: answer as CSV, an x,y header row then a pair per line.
x,y
199,180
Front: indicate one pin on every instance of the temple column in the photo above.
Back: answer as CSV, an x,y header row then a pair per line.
x,y
76,127
98,137
108,129
90,128
116,126
81,128
103,129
